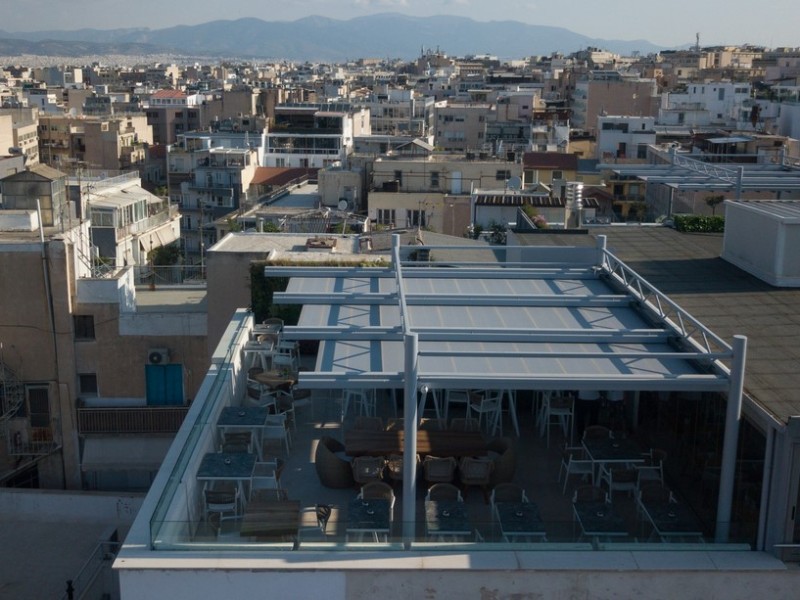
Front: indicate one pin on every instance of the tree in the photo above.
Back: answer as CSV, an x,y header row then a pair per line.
x,y
713,201
164,255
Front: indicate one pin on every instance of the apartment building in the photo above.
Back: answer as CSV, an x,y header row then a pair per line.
x,y
314,135
624,138
18,133
459,126
433,192
114,143
397,111
703,104
173,112
607,91
209,175
96,380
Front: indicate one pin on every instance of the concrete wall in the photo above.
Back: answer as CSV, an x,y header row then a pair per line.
x,y
228,275
58,505
480,576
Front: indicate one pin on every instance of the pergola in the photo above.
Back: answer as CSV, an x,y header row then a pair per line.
x,y
682,172
545,318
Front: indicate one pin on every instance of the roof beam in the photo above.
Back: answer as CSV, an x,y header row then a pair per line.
x,y
481,334
541,381
491,271
433,299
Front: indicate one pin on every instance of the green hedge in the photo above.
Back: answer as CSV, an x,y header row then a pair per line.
x,y
699,224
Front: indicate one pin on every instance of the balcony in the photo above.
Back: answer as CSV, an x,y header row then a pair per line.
x,y
144,419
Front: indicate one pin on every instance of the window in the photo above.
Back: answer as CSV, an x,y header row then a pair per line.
x,y
398,177
87,383
415,218
641,151
84,327
502,175
557,175
38,407
434,179
385,216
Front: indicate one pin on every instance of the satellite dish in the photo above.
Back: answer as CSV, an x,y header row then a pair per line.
x,y
343,204
514,183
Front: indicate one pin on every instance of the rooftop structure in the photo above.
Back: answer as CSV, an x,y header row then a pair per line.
x,y
540,320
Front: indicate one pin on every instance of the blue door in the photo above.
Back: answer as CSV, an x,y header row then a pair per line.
x,y
164,385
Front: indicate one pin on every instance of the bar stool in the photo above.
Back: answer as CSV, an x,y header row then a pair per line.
x,y
557,411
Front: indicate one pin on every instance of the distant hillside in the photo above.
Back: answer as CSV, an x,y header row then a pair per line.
x,y
15,47
320,38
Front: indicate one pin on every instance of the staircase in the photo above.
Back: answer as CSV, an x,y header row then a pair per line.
x,y
12,394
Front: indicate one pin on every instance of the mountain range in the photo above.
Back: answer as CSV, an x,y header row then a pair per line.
x,y
387,35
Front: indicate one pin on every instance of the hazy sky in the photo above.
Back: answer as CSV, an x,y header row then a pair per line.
x,y
667,23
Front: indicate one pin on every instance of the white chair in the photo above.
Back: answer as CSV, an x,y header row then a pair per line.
x,y
489,405
362,401
506,492
652,469
574,462
618,478
512,409
556,411
444,491
302,398
284,361
258,395
222,500
275,430
455,397
264,477
314,521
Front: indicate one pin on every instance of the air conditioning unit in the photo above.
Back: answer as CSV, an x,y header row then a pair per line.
x,y
157,356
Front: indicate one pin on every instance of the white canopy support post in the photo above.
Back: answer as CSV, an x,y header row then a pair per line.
x,y
411,343
732,417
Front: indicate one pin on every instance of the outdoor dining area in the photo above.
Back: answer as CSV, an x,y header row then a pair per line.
x,y
520,405
333,472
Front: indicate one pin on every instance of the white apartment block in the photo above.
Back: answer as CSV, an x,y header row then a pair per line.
x,y
624,137
705,104
314,135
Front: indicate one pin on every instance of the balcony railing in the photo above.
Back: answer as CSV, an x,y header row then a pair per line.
x,y
139,419
169,275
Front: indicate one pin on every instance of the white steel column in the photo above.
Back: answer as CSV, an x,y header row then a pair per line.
x,y
411,343
732,417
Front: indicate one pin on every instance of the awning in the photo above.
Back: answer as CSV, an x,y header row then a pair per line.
x,y
124,453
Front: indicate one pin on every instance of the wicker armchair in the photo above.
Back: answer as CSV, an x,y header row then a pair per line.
x,y
505,460
333,472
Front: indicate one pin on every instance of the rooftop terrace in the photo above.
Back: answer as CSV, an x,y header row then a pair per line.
x,y
566,323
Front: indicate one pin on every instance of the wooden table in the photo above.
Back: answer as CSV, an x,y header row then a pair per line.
x,y
276,379
271,519
435,443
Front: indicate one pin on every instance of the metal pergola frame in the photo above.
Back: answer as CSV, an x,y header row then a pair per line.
x,y
677,351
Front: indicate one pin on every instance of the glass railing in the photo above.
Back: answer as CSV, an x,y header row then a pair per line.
x,y
256,533
215,391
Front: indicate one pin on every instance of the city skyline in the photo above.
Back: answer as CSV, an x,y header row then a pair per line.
x,y
669,24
